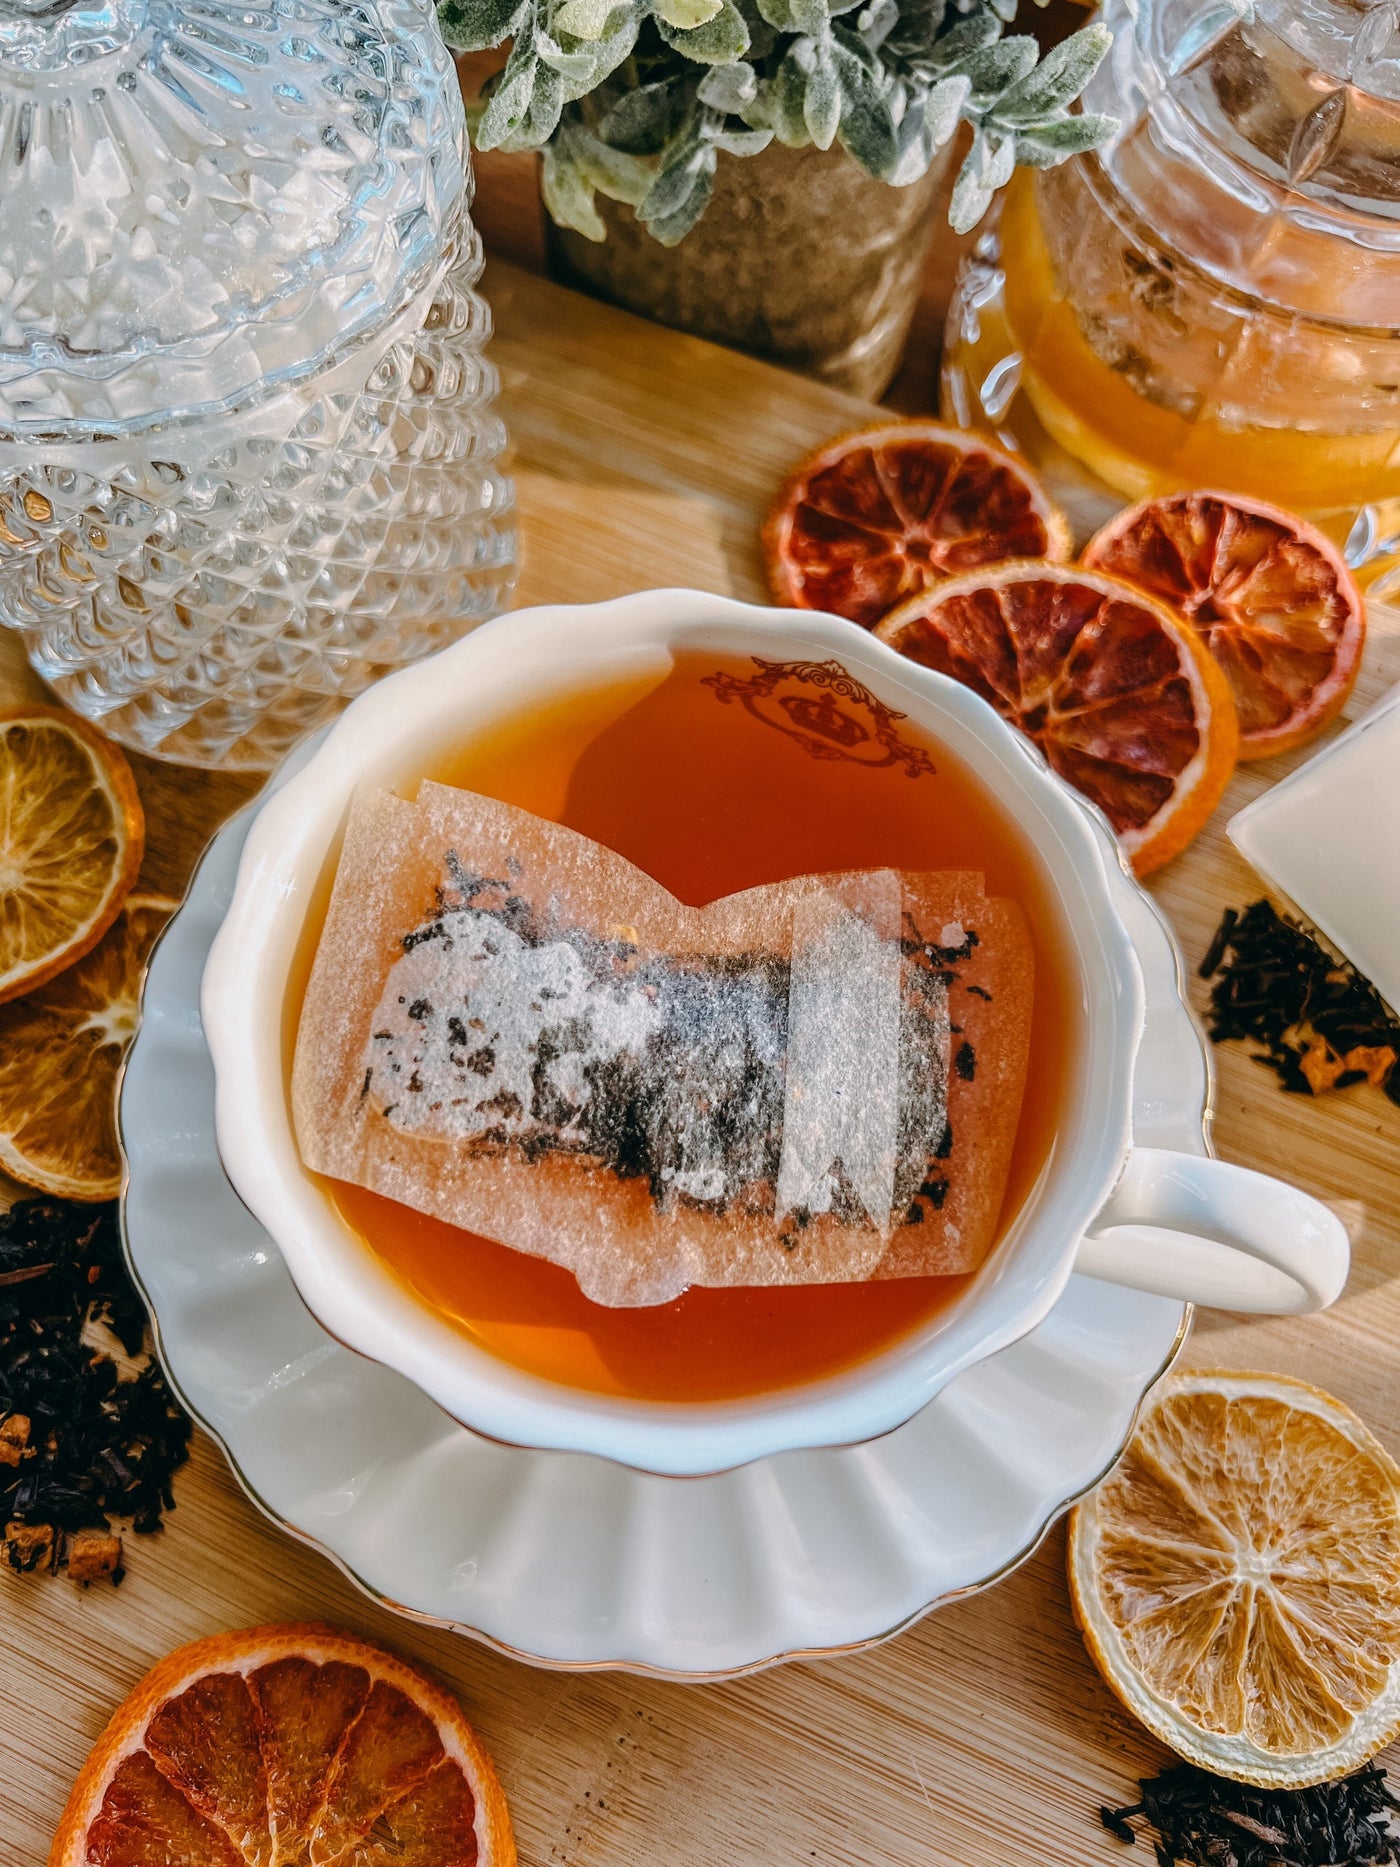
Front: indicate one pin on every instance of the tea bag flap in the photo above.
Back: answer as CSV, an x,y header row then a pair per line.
x,y
841,1095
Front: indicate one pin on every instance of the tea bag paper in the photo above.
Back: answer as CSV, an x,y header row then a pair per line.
x,y
843,1042
511,1027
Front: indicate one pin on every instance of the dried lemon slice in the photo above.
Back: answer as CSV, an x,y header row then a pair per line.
x,y
1237,1578
71,837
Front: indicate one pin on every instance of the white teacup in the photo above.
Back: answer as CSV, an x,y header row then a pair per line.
x,y
1177,1224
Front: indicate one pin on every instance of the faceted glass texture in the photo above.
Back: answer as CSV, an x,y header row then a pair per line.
x,y
248,458
1213,297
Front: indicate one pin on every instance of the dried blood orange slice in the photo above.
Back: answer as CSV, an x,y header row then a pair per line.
x,y
1237,1578
1267,592
286,1744
871,519
1120,695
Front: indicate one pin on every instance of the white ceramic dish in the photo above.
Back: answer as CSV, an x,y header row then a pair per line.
x,y
1328,837
570,1561
1151,1218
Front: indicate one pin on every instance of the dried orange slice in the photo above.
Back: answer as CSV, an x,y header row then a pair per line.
x,y
60,1051
1237,1578
871,519
71,838
1120,695
1268,593
286,1744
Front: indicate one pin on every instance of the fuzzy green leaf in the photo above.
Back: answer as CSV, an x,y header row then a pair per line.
x,y
868,136
1001,163
988,166
971,199
572,67
739,142
672,186
568,195
720,41
614,48
877,21
951,51
476,25
685,14
680,193
821,102
729,88
611,171
867,128
671,229
916,34
1048,144
643,121
1057,80
996,67
584,19
762,36
943,108
541,120
780,103
511,96
584,64
810,16
913,151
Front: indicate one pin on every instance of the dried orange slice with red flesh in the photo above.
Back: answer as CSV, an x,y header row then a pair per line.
x,y
71,838
872,519
1237,1578
286,1744
1267,592
61,1048
1120,694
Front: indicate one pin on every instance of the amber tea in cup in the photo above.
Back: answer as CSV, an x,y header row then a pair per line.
x,y
721,776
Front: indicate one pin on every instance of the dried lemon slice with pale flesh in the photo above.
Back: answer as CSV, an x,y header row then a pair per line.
x,y
71,837
61,1049
1237,1578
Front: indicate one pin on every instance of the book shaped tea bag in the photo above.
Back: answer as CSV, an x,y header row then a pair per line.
x,y
510,1027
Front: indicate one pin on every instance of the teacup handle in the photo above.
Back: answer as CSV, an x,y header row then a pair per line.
x,y
1205,1231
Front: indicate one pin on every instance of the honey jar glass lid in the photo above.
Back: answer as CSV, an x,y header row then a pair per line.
x,y
1260,140
203,199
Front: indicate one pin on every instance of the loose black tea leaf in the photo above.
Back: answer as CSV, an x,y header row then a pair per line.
x,y
1207,1821
88,1436
1321,1023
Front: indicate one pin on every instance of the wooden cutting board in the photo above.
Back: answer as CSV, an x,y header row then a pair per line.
x,y
979,1738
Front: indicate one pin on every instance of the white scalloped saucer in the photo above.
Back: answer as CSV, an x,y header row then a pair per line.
x,y
567,1560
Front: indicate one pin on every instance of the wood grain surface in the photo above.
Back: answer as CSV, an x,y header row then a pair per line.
x,y
981,1737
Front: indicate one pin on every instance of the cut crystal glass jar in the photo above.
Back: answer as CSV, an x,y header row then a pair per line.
x,y
1213,299
248,455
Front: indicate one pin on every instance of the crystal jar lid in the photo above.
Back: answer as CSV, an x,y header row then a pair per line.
x,y
1261,140
203,199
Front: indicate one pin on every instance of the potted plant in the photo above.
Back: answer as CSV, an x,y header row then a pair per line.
x,y
766,172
